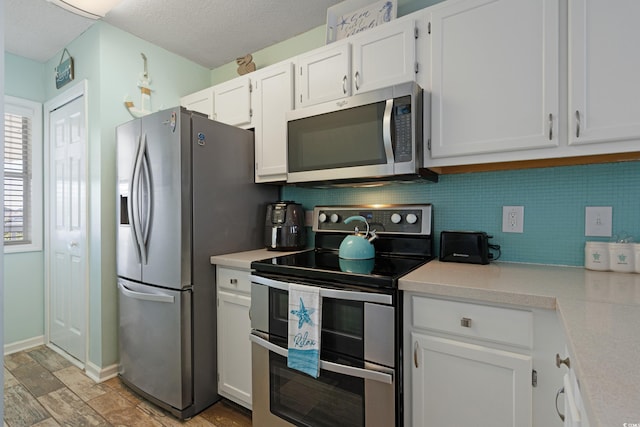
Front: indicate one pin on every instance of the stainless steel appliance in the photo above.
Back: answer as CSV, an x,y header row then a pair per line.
x,y
284,227
360,379
185,192
374,135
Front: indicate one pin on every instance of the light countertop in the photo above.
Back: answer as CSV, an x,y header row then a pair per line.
x,y
243,260
600,313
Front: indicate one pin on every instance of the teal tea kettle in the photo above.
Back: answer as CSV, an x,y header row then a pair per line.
x,y
358,246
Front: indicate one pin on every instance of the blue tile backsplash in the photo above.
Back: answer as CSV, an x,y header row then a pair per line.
x,y
554,201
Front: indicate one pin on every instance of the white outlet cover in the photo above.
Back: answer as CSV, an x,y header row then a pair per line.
x,y
598,221
513,219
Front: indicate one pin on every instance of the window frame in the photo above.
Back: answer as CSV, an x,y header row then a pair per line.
x,y
32,109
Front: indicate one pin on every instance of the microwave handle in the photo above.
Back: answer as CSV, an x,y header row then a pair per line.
x,y
386,131
329,293
367,374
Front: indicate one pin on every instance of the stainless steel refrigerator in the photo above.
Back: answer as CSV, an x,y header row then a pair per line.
x,y
185,192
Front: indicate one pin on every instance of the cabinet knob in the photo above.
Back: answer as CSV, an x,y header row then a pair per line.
x,y
465,322
565,361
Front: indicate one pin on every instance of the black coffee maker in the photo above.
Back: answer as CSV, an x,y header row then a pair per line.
x,y
284,227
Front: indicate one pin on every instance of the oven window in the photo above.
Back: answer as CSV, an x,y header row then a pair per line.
x,y
342,323
329,400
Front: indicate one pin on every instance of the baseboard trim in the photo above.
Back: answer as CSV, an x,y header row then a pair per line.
x,y
99,374
27,344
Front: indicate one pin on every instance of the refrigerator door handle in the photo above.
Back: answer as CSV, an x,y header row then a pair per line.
x,y
132,206
136,199
146,297
147,197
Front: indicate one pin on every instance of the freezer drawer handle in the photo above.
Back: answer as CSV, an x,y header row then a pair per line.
x,y
367,374
146,297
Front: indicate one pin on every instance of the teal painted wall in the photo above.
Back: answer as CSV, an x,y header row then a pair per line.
x,y
24,78
23,272
554,201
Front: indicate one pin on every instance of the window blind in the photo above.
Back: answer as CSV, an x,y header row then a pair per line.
x,y
17,179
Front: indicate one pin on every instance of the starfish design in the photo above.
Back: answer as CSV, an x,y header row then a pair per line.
x,y
304,314
596,256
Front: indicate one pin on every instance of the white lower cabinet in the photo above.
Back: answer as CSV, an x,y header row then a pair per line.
x,y
234,348
477,364
459,384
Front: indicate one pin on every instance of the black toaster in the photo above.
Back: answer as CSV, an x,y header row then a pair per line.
x,y
465,246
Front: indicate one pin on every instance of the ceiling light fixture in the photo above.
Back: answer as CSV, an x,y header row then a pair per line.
x,y
93,9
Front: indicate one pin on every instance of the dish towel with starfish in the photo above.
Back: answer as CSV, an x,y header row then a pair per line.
x,y
305,320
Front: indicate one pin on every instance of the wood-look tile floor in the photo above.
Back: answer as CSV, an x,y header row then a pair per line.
x,y
42,388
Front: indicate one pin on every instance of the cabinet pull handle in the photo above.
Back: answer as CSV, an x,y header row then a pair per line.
x,y
560,361
577,124
465,322
550,127
357,77
415,354
344,85
233,281
561,391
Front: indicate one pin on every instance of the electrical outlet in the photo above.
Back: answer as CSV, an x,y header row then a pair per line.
x,y
513,219
598,221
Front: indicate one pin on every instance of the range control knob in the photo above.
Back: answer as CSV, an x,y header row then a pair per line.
x,y
396,218
412,218
334,218
322,217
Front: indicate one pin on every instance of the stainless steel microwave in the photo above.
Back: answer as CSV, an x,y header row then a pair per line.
x,y
362,138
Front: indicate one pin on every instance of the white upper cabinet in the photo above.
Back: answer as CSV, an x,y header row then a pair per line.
x,y
376,58
494,77
604,66
233,102
323,75
272,98
201,101
384,57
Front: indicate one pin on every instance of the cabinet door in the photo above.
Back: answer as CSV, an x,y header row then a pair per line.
x,y
494,76
603,81
201,101
384,56
233,102
459,384
234,348
272,98
324,75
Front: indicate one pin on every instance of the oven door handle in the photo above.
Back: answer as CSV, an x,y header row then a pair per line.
x,y
367,374
329,293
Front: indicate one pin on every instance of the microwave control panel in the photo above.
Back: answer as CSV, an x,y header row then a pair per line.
x,y
389,219
402,138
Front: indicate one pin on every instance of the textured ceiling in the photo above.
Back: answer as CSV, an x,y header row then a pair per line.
x,y
208,32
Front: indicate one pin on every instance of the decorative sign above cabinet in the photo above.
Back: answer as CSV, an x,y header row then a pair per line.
x,y
354,16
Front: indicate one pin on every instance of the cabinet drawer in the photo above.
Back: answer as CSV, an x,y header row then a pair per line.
x,y
232,279
497,324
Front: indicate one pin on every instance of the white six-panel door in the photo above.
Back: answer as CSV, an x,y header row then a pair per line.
x,y
67,228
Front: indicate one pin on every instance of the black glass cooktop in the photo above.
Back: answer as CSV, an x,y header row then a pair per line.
x,y
318,265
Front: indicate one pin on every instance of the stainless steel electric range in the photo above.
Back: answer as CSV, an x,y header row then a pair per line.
x,y
360,381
